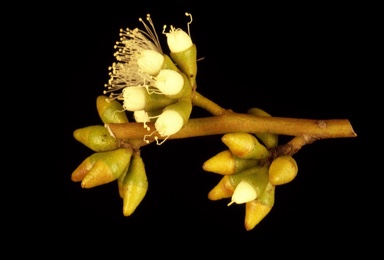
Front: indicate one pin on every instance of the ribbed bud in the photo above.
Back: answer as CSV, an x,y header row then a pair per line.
x,y
110,110
245,146
135,185
282,170
224,189
101,168
174,117
97,138
151,62
226,163
268,139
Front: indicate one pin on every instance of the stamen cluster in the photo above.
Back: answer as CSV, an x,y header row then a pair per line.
x,y
152,85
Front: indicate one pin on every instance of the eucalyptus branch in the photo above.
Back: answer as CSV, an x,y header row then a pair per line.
x,y
160,90
237,122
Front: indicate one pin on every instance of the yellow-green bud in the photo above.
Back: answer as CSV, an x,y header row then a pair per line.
x,y
224,189
135,185
110,110
268,139
245,145
226,163
257,209
187,62
101,168
282,170
97,138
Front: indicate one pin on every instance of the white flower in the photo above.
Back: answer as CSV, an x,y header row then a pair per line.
x,y
177,39
134,98
127,71
169,82
150,62
141,116
169,123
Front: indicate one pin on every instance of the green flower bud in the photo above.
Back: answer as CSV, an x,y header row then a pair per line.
x,y
97,138
226,163
187,62
101,168
268,139
135,185
245,145
110,110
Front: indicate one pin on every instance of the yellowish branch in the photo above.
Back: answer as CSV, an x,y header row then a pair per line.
x,y
237,122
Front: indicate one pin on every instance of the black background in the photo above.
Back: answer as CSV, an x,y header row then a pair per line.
x,y
292,60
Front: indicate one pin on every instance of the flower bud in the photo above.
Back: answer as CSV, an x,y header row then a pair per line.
x,y
257,209
187,62
121,179
224,189
97,138
268,139
135,185
174,117
245,146
110,110
101,168
226,163
282,170
150,62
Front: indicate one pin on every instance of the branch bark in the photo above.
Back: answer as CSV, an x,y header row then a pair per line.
x,y
237,122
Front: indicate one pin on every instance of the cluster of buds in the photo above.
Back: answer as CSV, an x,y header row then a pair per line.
x,y
247,174
111,161
153,86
